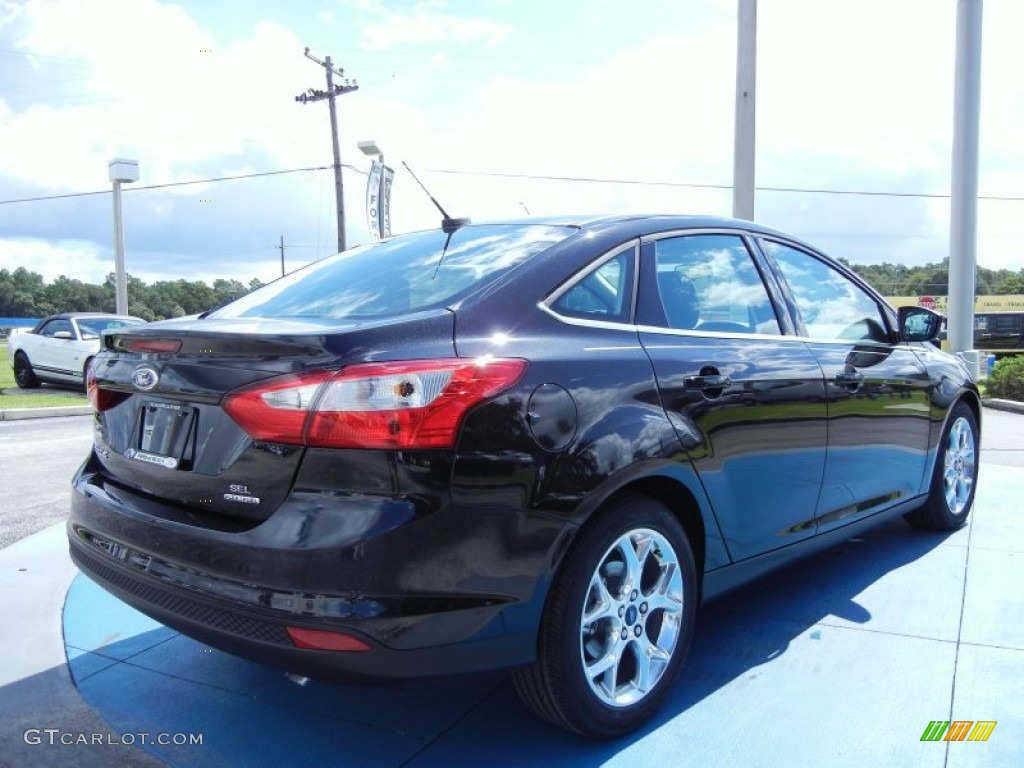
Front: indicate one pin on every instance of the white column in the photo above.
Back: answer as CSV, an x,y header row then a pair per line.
x,y
744,140
963,230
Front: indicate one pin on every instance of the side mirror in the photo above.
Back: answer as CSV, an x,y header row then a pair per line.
x,y
63,335
918,324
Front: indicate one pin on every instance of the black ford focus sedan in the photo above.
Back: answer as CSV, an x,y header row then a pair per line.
x,y
535,445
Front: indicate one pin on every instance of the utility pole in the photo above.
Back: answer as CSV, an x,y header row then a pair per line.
x,y
281,246
332,91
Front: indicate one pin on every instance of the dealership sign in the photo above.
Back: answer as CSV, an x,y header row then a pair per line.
x,y
378,200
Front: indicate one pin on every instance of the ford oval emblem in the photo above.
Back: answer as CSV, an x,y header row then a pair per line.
x,y
145,378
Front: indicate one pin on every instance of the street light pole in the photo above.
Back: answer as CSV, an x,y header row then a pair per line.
x,y
120,171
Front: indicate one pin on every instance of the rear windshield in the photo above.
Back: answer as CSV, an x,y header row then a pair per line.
x,y
406,274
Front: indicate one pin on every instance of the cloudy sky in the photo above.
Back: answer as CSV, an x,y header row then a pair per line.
x,y
499,105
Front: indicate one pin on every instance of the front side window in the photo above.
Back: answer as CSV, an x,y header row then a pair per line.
x,y
710,283
830,304
54,327
410,273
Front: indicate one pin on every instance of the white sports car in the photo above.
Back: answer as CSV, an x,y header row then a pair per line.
x,y
59,349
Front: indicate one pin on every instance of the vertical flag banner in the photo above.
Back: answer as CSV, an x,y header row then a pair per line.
x,y
373,186
386,177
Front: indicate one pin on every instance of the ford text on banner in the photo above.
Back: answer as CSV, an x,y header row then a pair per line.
x,y
373,183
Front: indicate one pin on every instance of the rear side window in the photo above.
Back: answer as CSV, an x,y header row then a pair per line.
x,y
399,276
710,283
605,293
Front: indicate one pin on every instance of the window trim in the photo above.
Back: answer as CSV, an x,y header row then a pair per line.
x,y
764,272
547,304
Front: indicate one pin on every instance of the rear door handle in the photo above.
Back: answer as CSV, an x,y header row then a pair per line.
x,y
704,383
850,380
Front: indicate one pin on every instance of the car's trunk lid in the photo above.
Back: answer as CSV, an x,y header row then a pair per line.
x,y
166,433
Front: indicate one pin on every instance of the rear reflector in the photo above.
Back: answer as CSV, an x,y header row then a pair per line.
x,y
161,346
324,640
405,405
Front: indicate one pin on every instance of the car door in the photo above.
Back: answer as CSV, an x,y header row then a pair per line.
x,y
51,354
746,400
877,389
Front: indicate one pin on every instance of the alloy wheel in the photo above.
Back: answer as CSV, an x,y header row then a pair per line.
x,y
958,469
631,617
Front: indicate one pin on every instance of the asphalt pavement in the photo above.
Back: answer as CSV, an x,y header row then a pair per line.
x,y
37,459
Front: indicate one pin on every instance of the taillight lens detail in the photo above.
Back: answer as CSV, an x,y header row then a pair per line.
x,y
101,399
276,411
406,405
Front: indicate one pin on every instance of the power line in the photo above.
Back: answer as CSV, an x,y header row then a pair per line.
x,y
692,185
539,177
176,184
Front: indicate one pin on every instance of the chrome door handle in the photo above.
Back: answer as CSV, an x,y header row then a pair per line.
x,y
704,383
850,380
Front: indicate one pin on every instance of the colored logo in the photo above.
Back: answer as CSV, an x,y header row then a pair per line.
x,y
958,730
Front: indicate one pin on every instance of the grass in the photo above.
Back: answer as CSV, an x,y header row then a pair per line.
x,y
28,398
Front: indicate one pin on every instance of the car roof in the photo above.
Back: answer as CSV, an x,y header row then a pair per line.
x,y
76,315
80,315
639,224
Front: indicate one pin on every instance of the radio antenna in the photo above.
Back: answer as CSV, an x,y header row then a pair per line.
x,y
448,224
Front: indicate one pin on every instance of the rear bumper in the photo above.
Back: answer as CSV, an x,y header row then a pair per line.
x,y
427,602
264,638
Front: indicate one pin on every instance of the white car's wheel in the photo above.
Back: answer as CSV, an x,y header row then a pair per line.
x,y
24,376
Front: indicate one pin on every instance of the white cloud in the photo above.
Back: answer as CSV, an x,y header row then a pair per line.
x,y
172,104
423,25
74,259
850,97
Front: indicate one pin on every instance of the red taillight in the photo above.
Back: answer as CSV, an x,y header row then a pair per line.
x,y
416,404
325,640
101,399
276,411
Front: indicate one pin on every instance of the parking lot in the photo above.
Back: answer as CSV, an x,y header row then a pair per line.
x,y
842,659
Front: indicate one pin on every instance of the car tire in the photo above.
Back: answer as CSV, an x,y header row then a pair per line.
x,y
955,478
617,624
24,376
